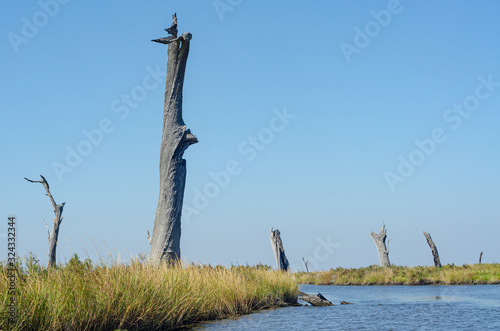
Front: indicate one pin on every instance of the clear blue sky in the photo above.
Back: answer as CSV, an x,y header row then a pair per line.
x,y
387,112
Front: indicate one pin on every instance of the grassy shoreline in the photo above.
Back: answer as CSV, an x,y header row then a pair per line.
x,y
401,275
139,296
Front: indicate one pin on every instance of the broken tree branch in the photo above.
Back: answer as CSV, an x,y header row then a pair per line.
x,y
305,263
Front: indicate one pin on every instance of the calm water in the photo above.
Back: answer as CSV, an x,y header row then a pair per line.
x,y
382,308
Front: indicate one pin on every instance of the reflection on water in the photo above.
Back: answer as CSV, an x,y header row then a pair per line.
x,y
468,307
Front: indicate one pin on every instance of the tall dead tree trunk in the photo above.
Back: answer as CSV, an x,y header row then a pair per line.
x,y
278,250
379,240
480,257
176,138
435,254
58,210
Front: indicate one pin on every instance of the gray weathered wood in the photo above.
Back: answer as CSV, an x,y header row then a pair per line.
x,y
346,303
305,263
315,300
379,240
176,138
58,210
278,250
435,254
480,257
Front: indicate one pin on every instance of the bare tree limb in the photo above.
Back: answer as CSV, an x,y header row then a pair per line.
x,y
47,188
58,210
388,242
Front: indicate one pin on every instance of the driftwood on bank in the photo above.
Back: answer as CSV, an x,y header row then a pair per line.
x,y
379,240
278,250
176,138
432,245
58,210
315,300
346,303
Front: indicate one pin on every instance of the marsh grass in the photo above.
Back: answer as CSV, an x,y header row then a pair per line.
x,y
399,275
139,296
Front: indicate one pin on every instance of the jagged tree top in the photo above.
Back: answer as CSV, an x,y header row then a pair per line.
x,y
172,30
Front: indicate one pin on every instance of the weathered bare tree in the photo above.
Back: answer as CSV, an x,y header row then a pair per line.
x,y
176,138
305,263
379,240
58,210
432,245
278,250
480,257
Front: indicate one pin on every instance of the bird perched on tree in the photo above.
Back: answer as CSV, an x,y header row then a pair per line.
x,y
171,30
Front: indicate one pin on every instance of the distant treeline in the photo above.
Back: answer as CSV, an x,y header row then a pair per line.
x,y
400,275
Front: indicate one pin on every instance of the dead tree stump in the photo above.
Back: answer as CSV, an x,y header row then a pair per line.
x,y
176,138
278,250
435,254
379,240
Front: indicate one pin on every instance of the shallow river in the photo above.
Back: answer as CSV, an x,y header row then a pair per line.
x,y
475,307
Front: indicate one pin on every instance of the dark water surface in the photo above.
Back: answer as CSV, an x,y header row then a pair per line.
x,y
467,307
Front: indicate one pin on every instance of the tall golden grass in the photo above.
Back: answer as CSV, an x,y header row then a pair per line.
x,y
139,296
399,275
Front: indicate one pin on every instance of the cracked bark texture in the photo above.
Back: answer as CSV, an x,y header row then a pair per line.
x,y
383,252
176,138
435,254
58,210
278,250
